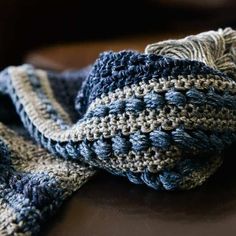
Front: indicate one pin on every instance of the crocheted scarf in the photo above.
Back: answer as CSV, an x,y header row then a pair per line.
x,y
160,118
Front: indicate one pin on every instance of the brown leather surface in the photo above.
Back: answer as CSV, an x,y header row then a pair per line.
x,y
109,205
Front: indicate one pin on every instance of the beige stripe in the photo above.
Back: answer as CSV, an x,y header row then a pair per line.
x,y
149,120
181,83
153,159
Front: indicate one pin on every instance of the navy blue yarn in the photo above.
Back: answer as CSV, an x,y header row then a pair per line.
x,y
201,141
65,87
175,98
171,179
151,180
4,152
116,70
86,151
139,141
41,189
160,139
154,100
134,105
117,107
103,148
31,196
121,145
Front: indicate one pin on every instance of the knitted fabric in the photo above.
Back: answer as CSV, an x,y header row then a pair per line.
x,y
161,118
33,182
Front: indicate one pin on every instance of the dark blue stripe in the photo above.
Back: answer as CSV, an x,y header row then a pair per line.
x,y
31,197
116,70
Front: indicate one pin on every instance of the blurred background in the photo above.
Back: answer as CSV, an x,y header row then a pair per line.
x,y
28,28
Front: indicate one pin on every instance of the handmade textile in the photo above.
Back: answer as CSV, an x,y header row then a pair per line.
x,y
161,118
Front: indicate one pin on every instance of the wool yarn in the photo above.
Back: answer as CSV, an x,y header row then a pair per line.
x,y
214,48
33,182
161,118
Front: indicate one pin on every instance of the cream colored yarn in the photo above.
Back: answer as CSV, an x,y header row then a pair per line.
x,y
214,48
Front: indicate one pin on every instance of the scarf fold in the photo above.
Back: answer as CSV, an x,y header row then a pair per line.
x,y
162,119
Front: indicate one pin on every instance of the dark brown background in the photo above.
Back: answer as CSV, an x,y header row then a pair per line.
x,y
28,24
